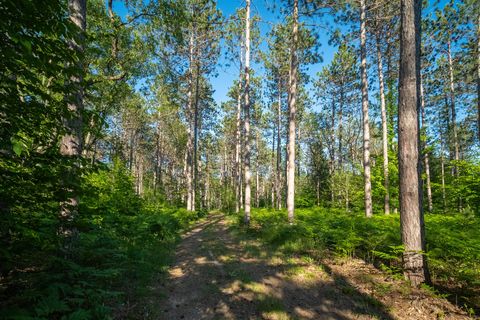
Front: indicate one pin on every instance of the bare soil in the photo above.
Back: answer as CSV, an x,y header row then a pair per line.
x,y
220,274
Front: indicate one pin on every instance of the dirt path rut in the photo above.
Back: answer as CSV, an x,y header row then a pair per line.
x,y
218,274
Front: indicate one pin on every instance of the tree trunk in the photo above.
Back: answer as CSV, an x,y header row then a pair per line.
x,y
478,77
452,105
340,127
383,109
411,215
442,164
331,164
195,138
247,115
190,131
424,151
72,142
207,182
278,187
272,171
238,143
292,97
366,127
257,176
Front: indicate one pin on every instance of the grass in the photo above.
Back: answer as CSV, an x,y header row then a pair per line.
x,y
453,242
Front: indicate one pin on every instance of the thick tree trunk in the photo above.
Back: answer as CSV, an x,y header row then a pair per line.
x,y
424,151
366,126
247,116
411,215
386,201
292,108
72,142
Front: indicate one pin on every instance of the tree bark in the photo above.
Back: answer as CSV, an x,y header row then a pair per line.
x,y
366,126
257,176
292,108
247,116
272,171
195,137
442,164
411,215
386,201
478,77
72,142
331,164
238,143
426,159
452,105
340,126
278,187
190,133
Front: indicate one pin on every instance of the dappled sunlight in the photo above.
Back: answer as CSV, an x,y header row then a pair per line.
x,y
176,272
220,276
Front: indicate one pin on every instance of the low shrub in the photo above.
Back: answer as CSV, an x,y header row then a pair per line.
x,y
453,244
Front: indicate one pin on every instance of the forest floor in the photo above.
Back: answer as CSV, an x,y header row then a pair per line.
x,y
219,272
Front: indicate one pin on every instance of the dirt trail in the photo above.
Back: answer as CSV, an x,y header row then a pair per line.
x,y
218,274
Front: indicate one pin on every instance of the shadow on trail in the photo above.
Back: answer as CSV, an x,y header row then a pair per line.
x,y
216,277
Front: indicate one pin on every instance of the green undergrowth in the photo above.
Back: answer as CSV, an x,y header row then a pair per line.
x,y
122,242
453,242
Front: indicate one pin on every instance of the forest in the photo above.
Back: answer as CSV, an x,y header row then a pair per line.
x,y
239,159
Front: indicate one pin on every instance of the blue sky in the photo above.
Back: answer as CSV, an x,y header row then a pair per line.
x,y
269,16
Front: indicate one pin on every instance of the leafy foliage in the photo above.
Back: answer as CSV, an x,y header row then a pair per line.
x,y
453,247
122,242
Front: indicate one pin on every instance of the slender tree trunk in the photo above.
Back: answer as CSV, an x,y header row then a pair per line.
x,y
452,105
424,147
190,130
292,108
185,174
478,77
72,142
442,164
139,180
272,171
278,182
247,115
207,182
366,126
411,215
340,127
257,176
238,143
383,109
332,153
195,138
299,149
347,195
